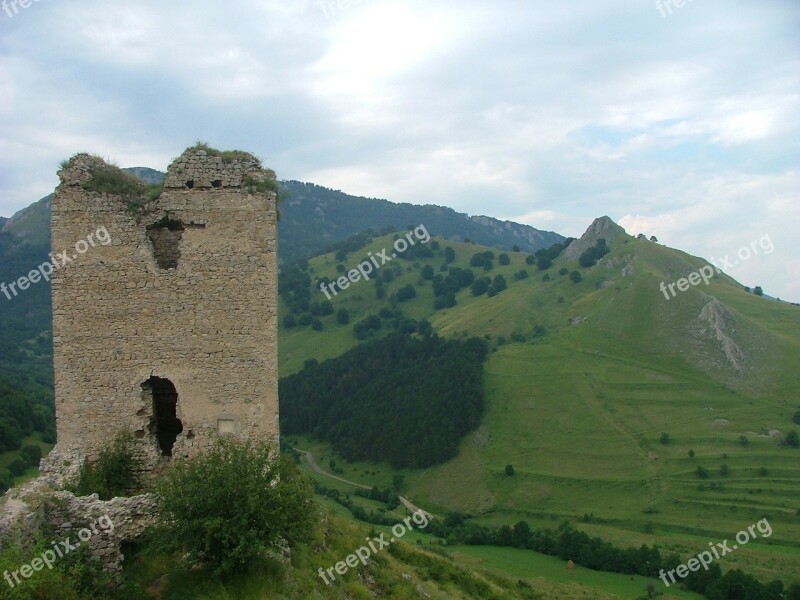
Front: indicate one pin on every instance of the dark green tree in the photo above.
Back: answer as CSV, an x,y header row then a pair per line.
x,y
792,439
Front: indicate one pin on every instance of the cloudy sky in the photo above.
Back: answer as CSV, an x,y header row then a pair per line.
x,y
680,122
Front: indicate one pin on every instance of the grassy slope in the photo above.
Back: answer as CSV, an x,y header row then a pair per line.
x,y
579,412
389,574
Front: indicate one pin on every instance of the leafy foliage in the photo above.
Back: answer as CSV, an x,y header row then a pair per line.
x,y
75,576
792,440
595,553
396,399
267,184
116,471
231,505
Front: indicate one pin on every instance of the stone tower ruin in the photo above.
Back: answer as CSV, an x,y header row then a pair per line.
x,y
165,317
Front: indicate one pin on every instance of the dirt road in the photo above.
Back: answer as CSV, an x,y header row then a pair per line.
x,y
317,469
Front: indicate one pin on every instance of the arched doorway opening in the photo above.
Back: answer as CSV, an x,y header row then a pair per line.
x,y
165,425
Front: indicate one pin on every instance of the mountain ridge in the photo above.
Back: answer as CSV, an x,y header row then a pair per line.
x,y
313,217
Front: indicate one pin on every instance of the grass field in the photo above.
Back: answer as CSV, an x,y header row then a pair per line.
x,y
580,412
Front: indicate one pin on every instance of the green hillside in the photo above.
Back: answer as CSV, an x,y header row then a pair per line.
x,y
585,381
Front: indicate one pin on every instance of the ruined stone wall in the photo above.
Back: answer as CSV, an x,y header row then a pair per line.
x,y
185,291
102,526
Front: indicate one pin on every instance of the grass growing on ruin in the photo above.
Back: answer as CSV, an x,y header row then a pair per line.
x,y
74,576
228,156
110,179
115,473
260,185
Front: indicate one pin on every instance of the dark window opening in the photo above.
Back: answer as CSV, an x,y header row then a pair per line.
x,y
165,236
190,183
217,183
164,424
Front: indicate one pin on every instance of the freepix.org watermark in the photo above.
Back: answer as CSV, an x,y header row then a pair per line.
x,y
60,550
363,553
59,261
706,557
705,273
366,267
15,5
665,7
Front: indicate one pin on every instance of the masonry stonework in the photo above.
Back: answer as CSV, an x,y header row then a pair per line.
x,y
169,330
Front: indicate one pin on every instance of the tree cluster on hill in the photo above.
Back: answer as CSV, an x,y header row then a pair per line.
x,y
396,399
590,256
312,215
567,543
20,416
352,243
446,286
488,286
482,259
294,287
544,257
598,554
26,356
394,319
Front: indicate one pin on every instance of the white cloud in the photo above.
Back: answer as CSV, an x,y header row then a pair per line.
x,y
551,114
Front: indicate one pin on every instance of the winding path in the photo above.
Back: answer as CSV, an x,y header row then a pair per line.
x,y
317,469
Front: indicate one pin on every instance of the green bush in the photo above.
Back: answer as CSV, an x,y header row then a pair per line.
x,y
17,466
115,473
228,507
792,440
31,454
75,576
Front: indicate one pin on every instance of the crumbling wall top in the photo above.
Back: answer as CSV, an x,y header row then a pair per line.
x,y
204,167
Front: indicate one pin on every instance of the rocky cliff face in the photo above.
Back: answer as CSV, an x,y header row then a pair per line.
x,y
601,227
523,235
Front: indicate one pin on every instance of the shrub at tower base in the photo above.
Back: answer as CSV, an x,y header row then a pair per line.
x,y
233,505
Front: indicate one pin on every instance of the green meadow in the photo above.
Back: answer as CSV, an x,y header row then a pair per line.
x,y
607,416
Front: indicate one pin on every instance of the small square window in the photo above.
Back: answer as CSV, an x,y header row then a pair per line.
x,y
226,426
